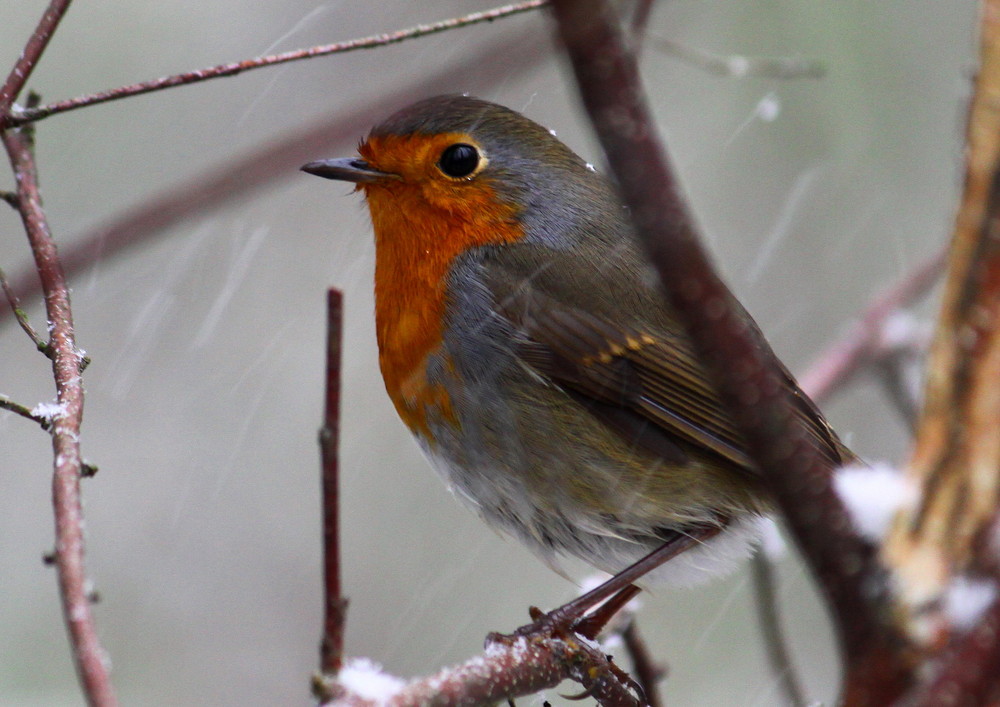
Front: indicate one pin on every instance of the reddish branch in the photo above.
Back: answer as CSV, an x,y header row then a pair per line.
x,y
778,656
259,169
66,363
335,605
24,411
233,68
507,671
647,673
31,53
970,672
861,346
845,565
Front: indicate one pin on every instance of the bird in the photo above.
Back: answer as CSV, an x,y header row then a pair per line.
x,y
525,342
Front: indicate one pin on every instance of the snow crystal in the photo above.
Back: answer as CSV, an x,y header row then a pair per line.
x,y
966,599
365,678
49,411
873,494
769,107
772,544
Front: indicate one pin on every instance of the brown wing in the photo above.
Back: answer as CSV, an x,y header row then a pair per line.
x,y
634,372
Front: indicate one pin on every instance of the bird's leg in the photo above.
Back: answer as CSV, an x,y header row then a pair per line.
x,y
617,591
592,624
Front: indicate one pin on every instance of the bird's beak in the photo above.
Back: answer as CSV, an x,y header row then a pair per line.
x,y
348,169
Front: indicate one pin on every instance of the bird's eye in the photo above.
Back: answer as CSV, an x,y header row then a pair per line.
x,y
459,160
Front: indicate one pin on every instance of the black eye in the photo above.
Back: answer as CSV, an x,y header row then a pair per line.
x,y
459,160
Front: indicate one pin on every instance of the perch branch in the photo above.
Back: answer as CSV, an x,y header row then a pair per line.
x,y
506,671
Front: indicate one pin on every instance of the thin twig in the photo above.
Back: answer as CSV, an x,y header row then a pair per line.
x,y
639,23
893,373
88,655
279,159
778,657
25,412
740,65
22,317
797,472
647,673
231,69
31,53
856,349
335,605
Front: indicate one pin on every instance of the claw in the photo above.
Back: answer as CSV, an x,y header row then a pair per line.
x,y
582,696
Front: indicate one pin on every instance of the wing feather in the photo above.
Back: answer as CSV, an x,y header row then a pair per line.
x,y
628,366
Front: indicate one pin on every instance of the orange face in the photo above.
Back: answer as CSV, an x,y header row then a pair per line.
x,y
423,219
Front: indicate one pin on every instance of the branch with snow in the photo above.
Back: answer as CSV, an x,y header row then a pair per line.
x,y
956,460
69,467
505,670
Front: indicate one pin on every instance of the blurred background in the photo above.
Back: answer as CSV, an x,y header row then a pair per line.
x,y
205,391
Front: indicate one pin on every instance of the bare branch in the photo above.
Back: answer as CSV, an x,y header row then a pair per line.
x,y
20,315
740,65
647,673
800,477
971,672
231,69
279,159
88,655
860,346
31,53
25,412
778,657
335,605
640,22
522,667
956,459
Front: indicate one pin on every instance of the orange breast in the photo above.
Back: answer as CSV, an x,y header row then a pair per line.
x,y
422,223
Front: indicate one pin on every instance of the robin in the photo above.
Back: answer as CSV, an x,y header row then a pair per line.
x,y
524,341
